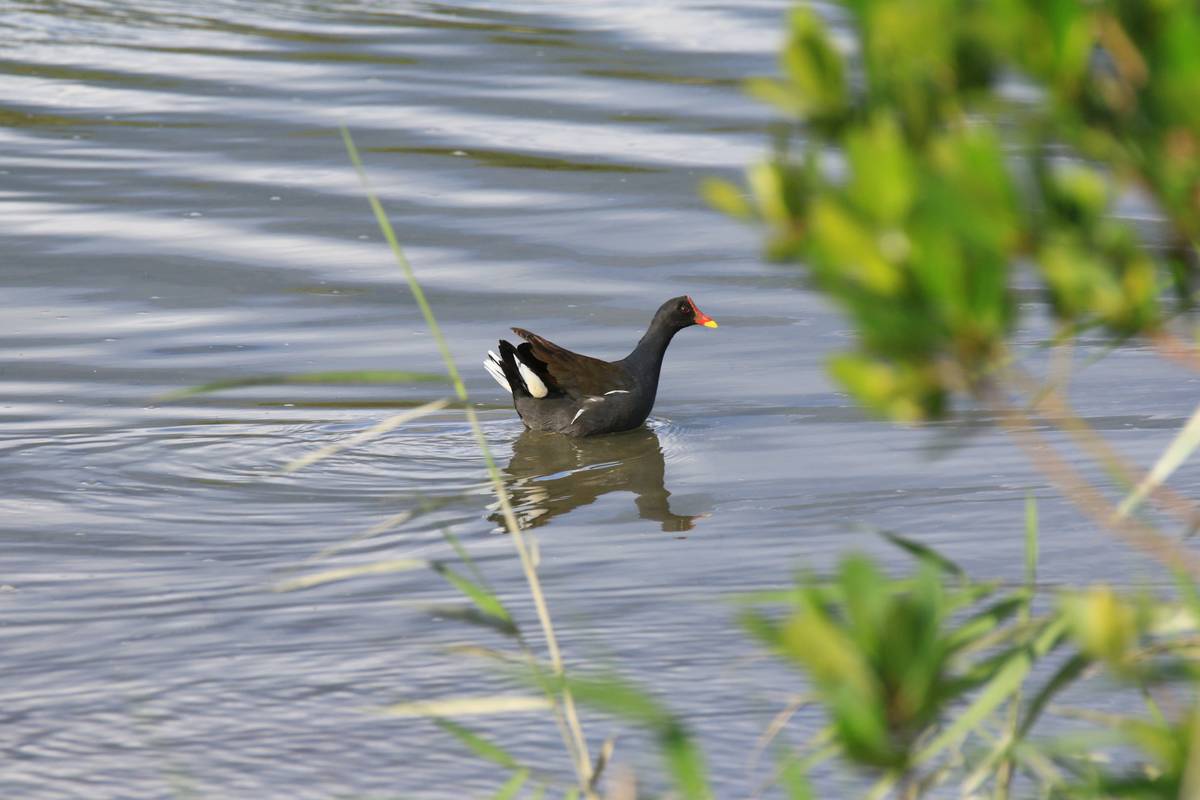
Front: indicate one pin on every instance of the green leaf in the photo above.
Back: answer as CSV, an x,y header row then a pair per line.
x,y
512,786
975,627
867,601
1031,540
776,93
851,250
726,197
478,745
767,184
1004,684
487,602
473,616
885,388
1063,677
620,698
882,182
682,755
814,68
463,555
924,553
814,640
685,763
793,780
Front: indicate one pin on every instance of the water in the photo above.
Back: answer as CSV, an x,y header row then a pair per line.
x,y
176,207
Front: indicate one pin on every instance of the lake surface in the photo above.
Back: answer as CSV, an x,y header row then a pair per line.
x,y
176,207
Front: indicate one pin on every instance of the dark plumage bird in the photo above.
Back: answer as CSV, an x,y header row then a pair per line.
x,y
556,390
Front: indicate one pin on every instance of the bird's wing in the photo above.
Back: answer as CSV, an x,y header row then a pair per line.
x,y
569,372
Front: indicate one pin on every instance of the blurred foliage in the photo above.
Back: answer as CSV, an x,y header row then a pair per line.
x,y
936,678
881,661
927,680
935,157
953,142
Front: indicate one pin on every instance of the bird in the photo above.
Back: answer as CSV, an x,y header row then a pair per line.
x,y
556,390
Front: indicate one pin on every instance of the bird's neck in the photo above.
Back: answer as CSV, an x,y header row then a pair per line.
x,y
647,357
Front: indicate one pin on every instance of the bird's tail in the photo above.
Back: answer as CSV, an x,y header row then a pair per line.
x,y
513,374
495,367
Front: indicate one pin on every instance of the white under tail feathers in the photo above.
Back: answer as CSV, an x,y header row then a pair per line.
x,y
533,384
492,365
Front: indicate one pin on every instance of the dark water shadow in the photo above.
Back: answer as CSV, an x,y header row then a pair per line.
x,y
551,474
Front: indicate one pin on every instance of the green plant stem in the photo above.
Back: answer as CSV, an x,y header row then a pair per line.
x,y
576,743
1004,772
1191,771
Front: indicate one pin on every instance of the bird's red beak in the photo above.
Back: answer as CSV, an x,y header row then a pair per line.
x,y
701,318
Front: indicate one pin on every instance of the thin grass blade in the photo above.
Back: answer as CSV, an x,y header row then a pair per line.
x,y
987,766
1031,541
576,742
970,632
469,706
512,786
602,761
776,726
1191,769
309,378
686,764
924,553
484,599
463,555
331,575
485,749
425,506
473,616
684,760
1178,451
1064,677
1003,685
374,432
793,779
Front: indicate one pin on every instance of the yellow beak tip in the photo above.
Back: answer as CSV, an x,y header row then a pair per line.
x,y
712,323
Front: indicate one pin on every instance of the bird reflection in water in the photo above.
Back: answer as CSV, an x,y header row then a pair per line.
x,y
551,474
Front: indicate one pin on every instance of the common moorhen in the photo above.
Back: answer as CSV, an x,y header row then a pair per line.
x,y
556,390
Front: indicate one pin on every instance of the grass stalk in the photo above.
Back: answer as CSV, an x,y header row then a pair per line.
x,y
576,742
1007,766
1086,497
1053,407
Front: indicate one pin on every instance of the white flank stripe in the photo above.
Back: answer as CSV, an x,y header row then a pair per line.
x,y
532,382
497,373
617,391
577,414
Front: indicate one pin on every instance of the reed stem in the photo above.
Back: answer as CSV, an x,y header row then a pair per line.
x,y
576,743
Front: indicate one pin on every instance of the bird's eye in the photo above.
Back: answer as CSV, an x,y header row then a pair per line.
x,y
683,308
